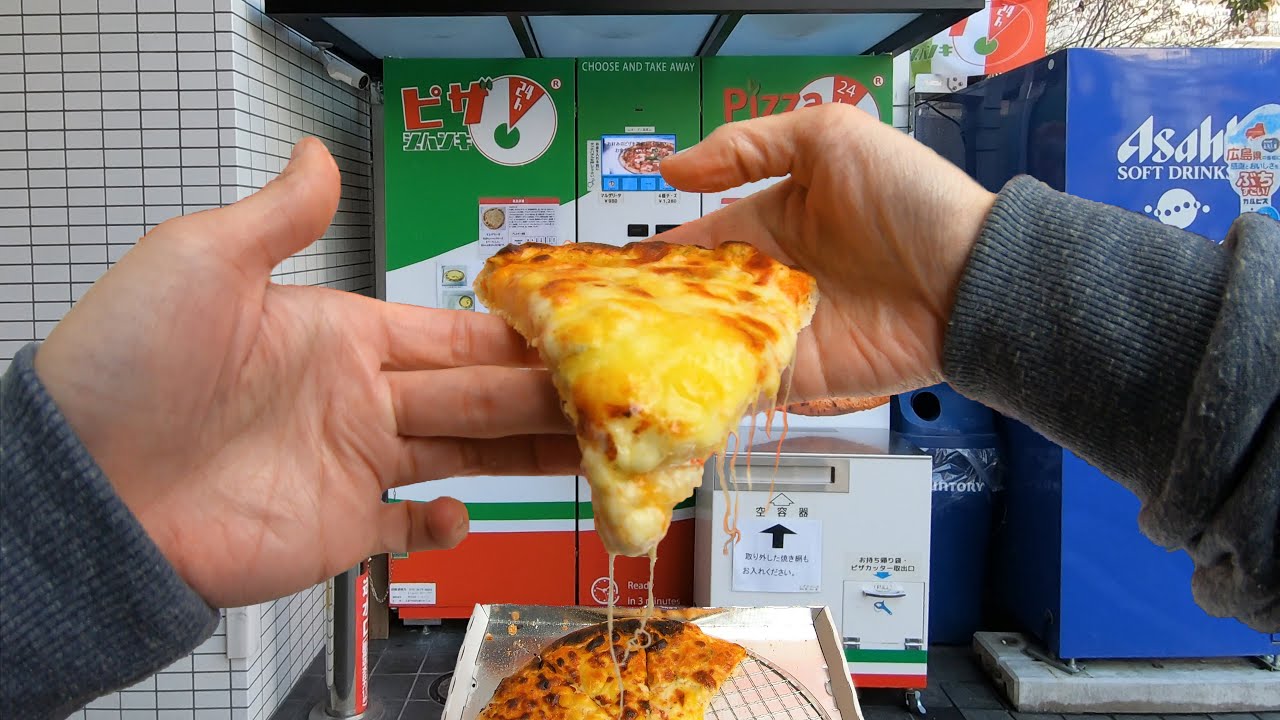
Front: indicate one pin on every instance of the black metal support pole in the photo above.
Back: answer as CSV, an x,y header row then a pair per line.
x,y
344,637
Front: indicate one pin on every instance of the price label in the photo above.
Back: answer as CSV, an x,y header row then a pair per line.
x,y
413,594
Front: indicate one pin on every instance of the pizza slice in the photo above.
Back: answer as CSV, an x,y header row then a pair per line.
x,y
658,351
685,669
535,691
583,658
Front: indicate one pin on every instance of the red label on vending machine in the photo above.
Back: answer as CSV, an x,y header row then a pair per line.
x,y
362,640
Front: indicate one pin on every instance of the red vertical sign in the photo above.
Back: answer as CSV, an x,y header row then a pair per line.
x,y
362,640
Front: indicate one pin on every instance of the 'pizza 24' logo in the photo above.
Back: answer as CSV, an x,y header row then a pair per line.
x,y
510,119
825,89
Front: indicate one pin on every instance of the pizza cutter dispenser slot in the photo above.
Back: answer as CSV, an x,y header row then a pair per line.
x,y
846,526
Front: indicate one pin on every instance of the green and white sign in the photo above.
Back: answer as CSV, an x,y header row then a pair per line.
x,y
739,88
478,154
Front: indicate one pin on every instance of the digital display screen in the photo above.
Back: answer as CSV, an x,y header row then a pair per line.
x,y
630,163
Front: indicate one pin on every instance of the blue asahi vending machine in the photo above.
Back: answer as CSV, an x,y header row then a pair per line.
x,y
1190,137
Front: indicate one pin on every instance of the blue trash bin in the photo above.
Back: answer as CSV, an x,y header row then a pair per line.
x,y
967,478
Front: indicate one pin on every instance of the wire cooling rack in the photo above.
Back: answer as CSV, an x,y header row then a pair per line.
x,y
758,690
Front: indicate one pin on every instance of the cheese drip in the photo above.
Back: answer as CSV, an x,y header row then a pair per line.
x,y
730,514
613,653
641,639
777,455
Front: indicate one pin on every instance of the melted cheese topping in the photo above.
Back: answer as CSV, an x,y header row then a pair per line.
x,y
658,351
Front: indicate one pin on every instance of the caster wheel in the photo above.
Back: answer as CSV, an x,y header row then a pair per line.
x,y
915,702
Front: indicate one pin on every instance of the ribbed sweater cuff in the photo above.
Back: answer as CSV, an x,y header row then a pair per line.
x,y
90,604
1087,324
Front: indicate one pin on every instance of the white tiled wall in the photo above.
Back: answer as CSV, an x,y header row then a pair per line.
x,y
208,686
292,637
116,115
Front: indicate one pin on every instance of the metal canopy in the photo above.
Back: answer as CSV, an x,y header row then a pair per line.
x,y
365,32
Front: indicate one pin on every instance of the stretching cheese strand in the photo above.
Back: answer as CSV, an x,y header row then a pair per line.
x,y
640,640
751,443
731,528
613,654
777,457
730,521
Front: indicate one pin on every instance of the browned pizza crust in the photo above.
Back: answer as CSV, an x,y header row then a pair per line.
x,y
835,406
701,271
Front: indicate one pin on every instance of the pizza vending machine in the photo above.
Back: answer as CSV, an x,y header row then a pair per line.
x,y
632,113
479,154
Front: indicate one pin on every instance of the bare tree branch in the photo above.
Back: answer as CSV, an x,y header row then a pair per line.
x,y
1150,23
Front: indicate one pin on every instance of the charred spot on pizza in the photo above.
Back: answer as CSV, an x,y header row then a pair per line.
x,y
704,678
540,258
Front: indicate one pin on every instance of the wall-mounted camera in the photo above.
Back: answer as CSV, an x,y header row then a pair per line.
x,y
340,69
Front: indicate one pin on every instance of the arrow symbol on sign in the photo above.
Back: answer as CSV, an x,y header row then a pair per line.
x,y
781,500
779,534
882,574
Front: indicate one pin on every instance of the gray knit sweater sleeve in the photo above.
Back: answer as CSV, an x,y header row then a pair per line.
x,y
1152,353
87,602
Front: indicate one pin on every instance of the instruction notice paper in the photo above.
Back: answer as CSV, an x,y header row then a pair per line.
x,y
779,555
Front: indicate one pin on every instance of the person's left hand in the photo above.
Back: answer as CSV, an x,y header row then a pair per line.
x,y
252,427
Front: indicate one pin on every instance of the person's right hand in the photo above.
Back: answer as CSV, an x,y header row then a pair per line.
x,y
884,224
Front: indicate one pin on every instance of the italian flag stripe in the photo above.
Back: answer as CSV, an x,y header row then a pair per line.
x,y
585,510
886,656
521,511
